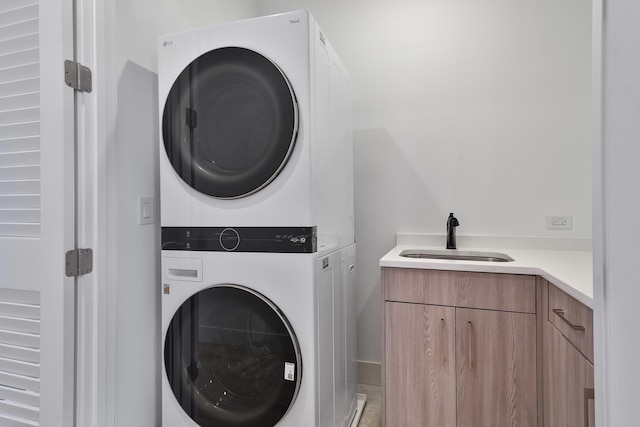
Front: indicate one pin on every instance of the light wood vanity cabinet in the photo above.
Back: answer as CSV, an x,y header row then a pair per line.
x,y
420,386
459,349
568,360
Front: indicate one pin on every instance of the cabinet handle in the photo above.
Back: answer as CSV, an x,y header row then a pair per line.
x,y
470,352
589,394
560,314
442,342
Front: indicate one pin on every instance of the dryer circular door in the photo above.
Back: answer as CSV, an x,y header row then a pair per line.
x,y
230,122
232,359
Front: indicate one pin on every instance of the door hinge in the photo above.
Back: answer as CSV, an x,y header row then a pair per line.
x,y
77,76
79,262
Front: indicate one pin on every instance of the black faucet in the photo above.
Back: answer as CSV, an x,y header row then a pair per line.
x,y
452,223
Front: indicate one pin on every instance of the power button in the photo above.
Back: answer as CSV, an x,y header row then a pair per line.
x,y
229,239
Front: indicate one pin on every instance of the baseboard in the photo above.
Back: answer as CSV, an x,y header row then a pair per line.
x,y
369,373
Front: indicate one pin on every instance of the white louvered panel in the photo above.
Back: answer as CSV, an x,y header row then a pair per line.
x,y
21,72
21,115
15,4
22,298
13,422
20,339
20,230
19,357
18,29
20,381
19,44
18,411
18,59
18,14
22,158
12,308
27,186
20,201
26,100
27,397
19,216
17,324
27,143
19,172
20,130
19,353
19,367
19,159
20,87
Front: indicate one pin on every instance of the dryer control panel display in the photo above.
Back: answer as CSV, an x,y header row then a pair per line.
x,y
240,239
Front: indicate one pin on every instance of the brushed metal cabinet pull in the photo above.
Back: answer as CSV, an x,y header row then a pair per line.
x,y
560,314
470,352
442,342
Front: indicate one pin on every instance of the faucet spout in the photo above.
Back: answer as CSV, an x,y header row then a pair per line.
x,y
452,223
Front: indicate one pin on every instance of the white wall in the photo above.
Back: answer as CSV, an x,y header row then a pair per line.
x,y
478,107
134,147
617,342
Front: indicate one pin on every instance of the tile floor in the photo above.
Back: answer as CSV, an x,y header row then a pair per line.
x,y
371,415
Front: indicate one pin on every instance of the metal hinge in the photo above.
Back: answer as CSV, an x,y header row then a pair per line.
x,y
79,262
77,76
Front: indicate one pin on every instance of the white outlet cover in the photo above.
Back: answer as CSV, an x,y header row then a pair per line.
x,y
146,214
559,222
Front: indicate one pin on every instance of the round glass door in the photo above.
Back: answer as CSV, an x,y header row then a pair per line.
x,y
230,122
231,358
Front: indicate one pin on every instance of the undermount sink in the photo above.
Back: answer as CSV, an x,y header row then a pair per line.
x,y
456,255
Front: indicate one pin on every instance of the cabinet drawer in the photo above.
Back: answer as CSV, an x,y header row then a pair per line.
x,y
505,292
420,286
573,319
492,291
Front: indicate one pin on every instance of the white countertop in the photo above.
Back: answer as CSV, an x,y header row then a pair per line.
x,y
569,270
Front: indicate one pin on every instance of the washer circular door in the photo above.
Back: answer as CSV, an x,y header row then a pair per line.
x,y
232,359
230,122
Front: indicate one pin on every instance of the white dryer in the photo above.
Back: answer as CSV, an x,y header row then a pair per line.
x,y
256,128
258,339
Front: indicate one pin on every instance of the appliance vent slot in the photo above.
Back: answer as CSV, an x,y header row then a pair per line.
x,y
19,119
19,358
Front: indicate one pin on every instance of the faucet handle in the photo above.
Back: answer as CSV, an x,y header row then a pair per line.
x,y
453,221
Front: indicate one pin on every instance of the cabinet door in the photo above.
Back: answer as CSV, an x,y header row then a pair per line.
x,y
496,365
420,365
568,383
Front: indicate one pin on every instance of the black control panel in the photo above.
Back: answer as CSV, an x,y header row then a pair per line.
x,y
240,239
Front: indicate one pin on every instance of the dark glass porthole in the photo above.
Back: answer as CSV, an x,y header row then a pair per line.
x,y
232,359
230,122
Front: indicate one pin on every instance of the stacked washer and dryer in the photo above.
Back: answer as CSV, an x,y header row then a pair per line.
x,y
258,253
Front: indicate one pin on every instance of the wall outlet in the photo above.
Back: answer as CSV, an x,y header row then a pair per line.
x,y
559,222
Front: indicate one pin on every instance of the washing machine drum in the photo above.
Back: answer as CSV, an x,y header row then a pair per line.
x,y
231,358
230,122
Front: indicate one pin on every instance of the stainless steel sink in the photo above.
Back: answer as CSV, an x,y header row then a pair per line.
x,y
456,255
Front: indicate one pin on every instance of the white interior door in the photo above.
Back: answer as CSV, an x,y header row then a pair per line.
x,y
37,214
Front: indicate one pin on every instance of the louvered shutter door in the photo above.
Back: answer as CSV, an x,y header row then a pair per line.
x,y
19,119
36,214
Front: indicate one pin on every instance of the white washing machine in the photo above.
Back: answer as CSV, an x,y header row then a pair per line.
x,y
258,339
256,129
